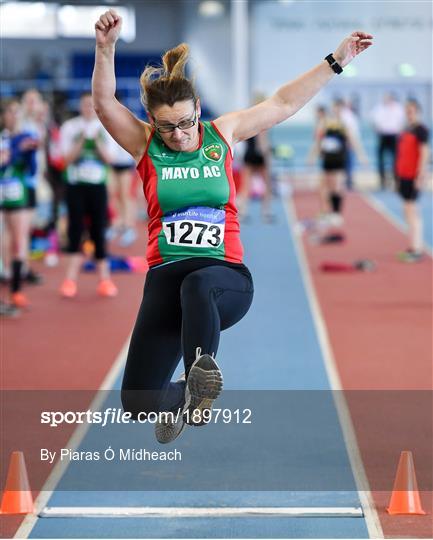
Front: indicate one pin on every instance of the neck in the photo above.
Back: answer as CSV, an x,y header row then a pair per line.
x,y
197,140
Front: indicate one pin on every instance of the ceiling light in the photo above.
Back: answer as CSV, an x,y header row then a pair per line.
x,y
211,8
406,70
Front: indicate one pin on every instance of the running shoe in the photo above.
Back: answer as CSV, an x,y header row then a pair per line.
x,y
107,288
364,265
410,256
170,426
204,385
335,220
68,289
33,277
333,238
8,310
4,279
128,238
111,233
19,300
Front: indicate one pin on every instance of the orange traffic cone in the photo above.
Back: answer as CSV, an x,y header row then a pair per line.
x,y
17,497
405,497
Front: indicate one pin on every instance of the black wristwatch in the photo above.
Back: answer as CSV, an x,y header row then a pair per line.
x,y
335,66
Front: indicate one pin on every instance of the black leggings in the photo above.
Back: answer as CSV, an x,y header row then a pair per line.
x,y
387,144
185,305
87,201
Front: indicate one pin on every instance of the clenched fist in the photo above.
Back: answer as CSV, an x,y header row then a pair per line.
x,y
107,28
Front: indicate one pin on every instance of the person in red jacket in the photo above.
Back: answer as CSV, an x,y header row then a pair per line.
x,y
411,168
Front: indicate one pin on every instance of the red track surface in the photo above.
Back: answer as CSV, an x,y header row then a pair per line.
x,y
379,327
59,344
380,331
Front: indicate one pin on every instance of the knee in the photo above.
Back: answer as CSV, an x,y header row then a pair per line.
x,y
196,284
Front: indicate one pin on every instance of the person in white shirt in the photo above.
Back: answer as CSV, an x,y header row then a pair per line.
x,y
388,119
85,146
121,180
351,123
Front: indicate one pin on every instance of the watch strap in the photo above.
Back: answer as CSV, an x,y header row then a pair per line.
x,y
335,66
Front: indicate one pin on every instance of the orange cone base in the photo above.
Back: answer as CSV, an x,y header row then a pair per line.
x,y
405,503
17,497
17,502
405,497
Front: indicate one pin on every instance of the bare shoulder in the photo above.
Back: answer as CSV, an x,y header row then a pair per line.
x,y
147,131
225,125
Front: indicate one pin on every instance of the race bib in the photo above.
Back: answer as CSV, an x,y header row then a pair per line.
x,y
197,226
90,172
331,145
12,192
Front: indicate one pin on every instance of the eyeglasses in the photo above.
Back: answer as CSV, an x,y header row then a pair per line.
x,y
185,124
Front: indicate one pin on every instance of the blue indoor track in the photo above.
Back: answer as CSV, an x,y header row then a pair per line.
x,y
274,348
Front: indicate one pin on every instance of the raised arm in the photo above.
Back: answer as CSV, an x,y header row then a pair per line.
x,y
291,97
130,132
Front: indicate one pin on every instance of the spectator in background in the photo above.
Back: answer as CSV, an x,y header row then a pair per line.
x,y
121,183
411,169
332,141
55,165
351,123
257,161
34,117
319,129
33,112
388,122
17,193
86,153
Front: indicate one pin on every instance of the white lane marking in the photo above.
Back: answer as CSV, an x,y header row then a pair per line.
x,y
371,517
187,512
73,443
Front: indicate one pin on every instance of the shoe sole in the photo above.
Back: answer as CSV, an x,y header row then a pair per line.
x,y
162,434
204,385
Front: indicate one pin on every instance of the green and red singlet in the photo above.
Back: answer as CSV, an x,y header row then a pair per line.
x,y
191,200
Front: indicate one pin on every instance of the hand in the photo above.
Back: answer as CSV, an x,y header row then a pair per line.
x,y
419,180
352,46
107,28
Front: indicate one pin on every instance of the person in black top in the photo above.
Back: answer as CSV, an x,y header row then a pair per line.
x,y
332,140
256,162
